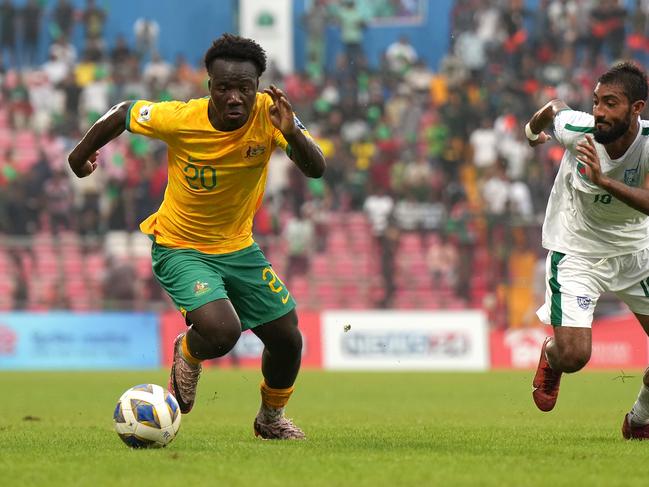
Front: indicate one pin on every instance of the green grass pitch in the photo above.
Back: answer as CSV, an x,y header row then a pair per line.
x,y
364,429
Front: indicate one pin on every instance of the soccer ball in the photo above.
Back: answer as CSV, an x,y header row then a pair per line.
x,y
147,416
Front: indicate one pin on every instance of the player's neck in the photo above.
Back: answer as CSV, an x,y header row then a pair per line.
x,y
618,148
211,116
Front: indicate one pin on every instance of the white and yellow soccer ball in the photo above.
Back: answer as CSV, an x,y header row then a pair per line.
x,y
147,416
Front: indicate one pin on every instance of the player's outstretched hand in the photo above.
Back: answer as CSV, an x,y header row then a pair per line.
x,y
89,166
588,156
281,112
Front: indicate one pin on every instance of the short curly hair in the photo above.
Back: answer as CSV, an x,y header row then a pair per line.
x,y
233,47
630,77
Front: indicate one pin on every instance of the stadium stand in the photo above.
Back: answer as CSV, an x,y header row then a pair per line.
x,y
444,146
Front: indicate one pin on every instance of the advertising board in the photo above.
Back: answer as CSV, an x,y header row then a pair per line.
x,y
403,340
60,340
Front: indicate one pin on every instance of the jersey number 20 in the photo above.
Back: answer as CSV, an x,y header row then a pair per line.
x,y
200,177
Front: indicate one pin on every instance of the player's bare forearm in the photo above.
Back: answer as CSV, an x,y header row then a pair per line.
x,y
637,198
306,154
541,120
545,115
107,128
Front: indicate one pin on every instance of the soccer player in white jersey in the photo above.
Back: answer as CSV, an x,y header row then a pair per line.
x,y
596,227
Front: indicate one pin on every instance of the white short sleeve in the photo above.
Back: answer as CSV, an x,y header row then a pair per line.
x,y
570,126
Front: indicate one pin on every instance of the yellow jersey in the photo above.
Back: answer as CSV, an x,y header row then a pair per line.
x,y
216,179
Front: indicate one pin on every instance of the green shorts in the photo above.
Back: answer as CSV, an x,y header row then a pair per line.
x,y
245,277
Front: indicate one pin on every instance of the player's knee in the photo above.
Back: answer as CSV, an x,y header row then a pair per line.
x,y
291,336
574,360
286,340
294,341
225,339
220,336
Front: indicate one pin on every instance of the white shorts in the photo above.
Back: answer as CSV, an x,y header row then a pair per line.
x,y
574,284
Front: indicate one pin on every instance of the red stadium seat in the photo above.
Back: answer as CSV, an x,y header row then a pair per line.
x,y
357,223
6,138
326,296
320,265
47,264
73,267
95,265
337,241
409,243
345,268
299,287
143,267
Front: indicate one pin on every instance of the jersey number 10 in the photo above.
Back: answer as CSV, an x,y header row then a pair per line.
x,y
605,198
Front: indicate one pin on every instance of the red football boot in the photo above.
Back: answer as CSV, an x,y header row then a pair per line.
x,y
546,382
631,432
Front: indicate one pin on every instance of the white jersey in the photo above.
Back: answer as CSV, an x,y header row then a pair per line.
x,y
581,218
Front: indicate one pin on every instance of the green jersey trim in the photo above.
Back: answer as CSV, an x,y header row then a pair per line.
x,y
644,287
128,115
576,128
556,313
590,130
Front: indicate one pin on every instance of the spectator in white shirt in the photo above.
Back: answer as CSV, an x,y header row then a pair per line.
x,y
400,55
484,143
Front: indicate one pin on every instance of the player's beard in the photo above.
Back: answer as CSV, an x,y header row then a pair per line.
x,y
615,131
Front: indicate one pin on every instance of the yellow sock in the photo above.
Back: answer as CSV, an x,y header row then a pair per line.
x,y
187,355
274,398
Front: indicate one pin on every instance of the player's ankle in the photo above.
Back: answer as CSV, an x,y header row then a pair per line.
x,y
639,415
270,414
185,353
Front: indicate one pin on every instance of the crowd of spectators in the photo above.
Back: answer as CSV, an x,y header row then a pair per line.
x,y
435,159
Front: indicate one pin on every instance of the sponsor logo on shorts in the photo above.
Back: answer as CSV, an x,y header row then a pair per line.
x,y
201,288
584,302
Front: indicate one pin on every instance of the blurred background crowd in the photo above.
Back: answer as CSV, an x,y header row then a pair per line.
x,y
432,198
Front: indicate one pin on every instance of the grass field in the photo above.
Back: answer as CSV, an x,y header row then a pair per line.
x,y
364,429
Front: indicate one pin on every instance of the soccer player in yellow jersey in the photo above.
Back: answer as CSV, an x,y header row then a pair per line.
x,y
203,252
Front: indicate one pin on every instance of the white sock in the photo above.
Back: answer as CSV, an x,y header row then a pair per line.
x,y
639,414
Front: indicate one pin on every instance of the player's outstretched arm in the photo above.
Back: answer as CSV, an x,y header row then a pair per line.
x,y
83,158
305,152
534,130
